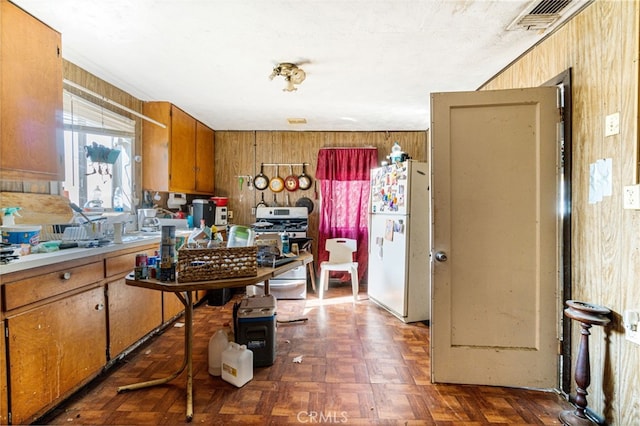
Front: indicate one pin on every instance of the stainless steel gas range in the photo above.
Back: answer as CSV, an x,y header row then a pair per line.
x,y
293,221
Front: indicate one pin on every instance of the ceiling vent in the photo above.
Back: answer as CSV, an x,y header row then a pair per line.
x,y
543,14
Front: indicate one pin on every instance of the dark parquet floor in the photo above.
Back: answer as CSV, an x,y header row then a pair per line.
x,y
360,365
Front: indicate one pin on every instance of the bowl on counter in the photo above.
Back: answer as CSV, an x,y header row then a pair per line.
x,y
220,201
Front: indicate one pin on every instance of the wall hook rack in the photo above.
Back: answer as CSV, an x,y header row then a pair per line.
x,y
284,164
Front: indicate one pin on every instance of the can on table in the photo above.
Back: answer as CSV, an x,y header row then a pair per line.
x,y
141,259
152,266
167,273
141,271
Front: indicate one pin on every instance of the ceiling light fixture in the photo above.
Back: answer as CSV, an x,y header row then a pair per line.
x,y
291,73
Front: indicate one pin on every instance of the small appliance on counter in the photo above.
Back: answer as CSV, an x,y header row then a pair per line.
x,y
147,220
203,210
220,218
213,211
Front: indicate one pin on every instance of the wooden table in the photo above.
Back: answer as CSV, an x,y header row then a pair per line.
x,y
185,292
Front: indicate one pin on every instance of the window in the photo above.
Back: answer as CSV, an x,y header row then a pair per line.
x,y
98,146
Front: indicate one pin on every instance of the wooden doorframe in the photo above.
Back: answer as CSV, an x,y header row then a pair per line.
x,y
563,80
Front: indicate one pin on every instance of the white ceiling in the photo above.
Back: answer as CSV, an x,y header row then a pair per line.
x,y
370,64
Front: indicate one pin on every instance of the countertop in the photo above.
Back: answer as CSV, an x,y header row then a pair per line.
x,y
43,259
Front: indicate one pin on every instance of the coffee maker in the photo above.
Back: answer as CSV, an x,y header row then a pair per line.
x,y
147,220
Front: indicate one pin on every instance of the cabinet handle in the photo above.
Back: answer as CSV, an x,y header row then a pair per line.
x,y
99,306
66,275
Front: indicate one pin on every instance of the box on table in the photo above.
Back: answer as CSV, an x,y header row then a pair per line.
x,y
255,326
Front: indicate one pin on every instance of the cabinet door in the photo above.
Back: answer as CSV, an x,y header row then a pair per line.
x,y
171,306
183,151
155,147
204,158
53,350
133,312
4,409
31,98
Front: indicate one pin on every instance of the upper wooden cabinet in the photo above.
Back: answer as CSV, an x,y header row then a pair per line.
x,y
180,157
204,158
30,98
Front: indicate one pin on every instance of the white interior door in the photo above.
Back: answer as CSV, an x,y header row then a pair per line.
x,y
495,212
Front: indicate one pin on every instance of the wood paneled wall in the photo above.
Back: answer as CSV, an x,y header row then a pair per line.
x,y
241,153
601,46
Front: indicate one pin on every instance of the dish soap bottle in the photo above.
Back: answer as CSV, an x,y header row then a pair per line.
x,y
118,202
284,237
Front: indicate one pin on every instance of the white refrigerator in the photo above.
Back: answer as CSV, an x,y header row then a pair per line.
x,y
400,240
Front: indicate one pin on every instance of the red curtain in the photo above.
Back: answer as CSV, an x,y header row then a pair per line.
x,y
344,175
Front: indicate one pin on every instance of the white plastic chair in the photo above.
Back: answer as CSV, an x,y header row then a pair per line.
x,y
340,259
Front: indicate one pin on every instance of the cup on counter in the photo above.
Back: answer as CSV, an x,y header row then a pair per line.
x,y
117,233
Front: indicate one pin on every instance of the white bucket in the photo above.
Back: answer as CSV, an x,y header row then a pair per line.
x,y
217,344
21,234
237,364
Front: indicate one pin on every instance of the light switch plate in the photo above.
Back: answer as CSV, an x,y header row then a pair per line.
x,y
631,197
612,124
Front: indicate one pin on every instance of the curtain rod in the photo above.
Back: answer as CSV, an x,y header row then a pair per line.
x,y
114,103
349,147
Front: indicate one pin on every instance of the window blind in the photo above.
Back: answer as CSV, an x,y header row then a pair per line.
x,y
83,115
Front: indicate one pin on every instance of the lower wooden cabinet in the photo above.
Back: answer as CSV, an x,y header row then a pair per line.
x,y
4,409
171,306
133,312
63,324
53,349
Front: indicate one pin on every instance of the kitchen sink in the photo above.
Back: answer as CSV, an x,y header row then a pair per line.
x,y
139,236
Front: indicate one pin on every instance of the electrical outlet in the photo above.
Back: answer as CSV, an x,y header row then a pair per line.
x,y
630,321
230,214
612,124
631,197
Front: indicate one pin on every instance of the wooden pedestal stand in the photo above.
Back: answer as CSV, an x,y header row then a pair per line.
x,y
587,315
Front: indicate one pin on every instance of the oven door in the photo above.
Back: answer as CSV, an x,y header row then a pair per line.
x,y
290,285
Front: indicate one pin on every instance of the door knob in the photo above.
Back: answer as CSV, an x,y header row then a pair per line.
x,y
441,256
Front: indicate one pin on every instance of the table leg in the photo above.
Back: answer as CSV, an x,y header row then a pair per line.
x,y
187,301
188,347
266,287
